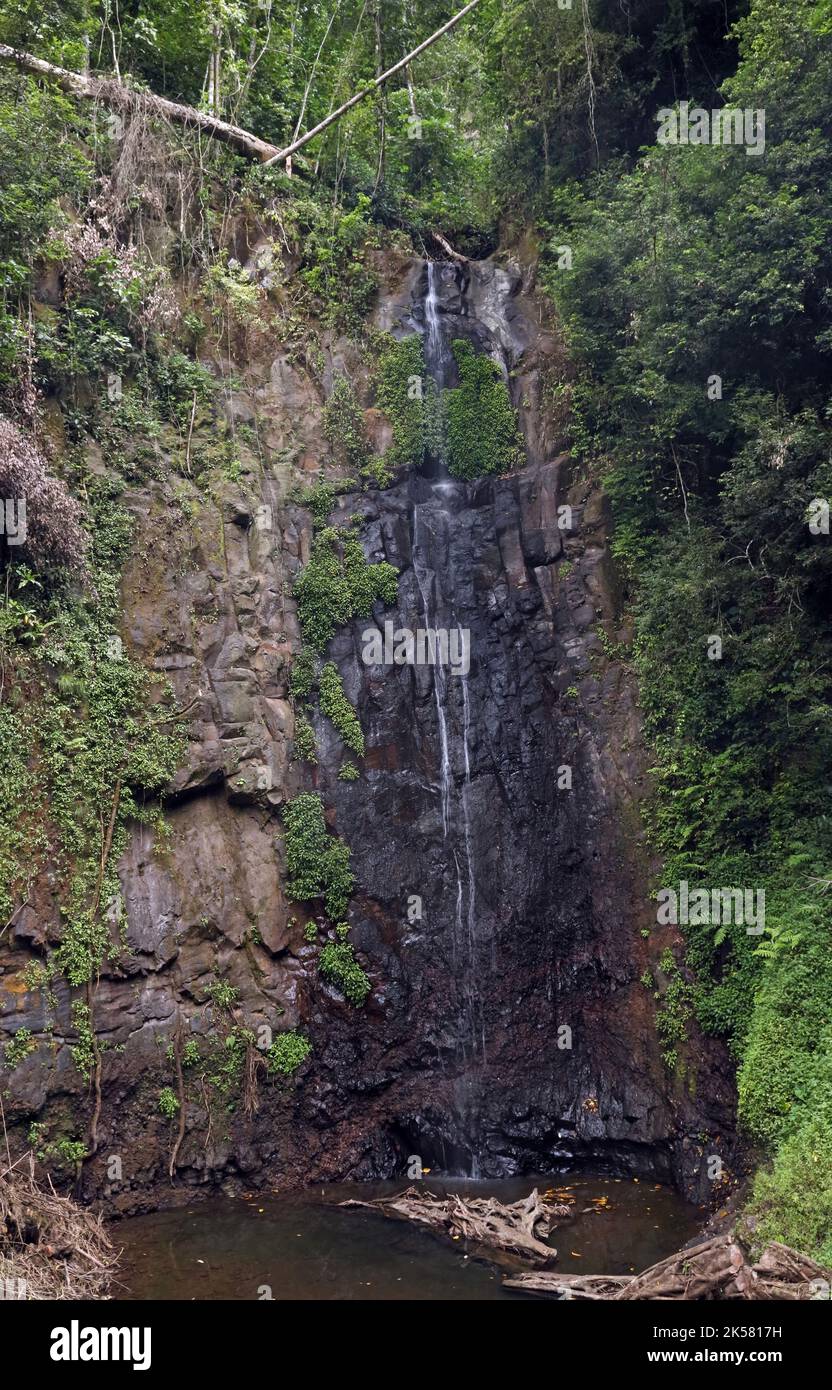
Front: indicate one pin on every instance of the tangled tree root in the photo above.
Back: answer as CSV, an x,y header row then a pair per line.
x,y
718,1268
50,1248
512,1235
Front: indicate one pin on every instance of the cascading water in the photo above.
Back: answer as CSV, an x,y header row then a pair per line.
x,y
500,915
432,519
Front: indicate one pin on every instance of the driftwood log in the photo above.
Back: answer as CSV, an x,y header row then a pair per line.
x,y
512,1235
718,1268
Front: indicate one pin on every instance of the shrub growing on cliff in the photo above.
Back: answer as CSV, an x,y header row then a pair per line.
x,y
302,677
480,423
411,410
19,1048
306,748
339,584
339,965
318,498
345,426
168,1102
287,1053
337,708
317,863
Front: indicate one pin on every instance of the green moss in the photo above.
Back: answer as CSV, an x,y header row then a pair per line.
x,y
337,708
348,772
481,426
338,964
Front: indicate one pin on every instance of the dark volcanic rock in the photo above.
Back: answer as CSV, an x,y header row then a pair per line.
x,y
501,870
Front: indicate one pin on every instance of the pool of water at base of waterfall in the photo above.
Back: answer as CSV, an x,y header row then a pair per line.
x,y
302,1245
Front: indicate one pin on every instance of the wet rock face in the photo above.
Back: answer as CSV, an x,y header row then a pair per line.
x,y
501,874
501,899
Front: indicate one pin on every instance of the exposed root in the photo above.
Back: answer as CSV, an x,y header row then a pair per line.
x,y
718,1268
50,1248
510,1235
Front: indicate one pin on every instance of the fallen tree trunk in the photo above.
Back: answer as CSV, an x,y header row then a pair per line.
x,y
117,97
586,1287
715,1269
511,1235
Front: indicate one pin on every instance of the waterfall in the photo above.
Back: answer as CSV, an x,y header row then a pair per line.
x,y
433,520
434,343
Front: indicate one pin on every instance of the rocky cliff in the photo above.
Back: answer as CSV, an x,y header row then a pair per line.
x,y
501,908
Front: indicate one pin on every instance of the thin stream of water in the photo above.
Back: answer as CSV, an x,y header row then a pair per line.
x,y
428,539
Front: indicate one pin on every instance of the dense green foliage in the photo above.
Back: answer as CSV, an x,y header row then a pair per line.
x,y
317,863
480,424
344,426
287,1053
697,310
84,740
306,746
338,964
408,400
338,584
337,708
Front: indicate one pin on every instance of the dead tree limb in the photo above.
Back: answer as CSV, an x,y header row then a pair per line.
x,y
583,1288
512,1235
713,1269
443,243
117,97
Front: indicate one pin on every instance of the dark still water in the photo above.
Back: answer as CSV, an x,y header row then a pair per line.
x,y
303,1246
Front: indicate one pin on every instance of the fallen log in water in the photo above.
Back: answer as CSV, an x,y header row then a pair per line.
x,y
511,1235
718,1268
546,1284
